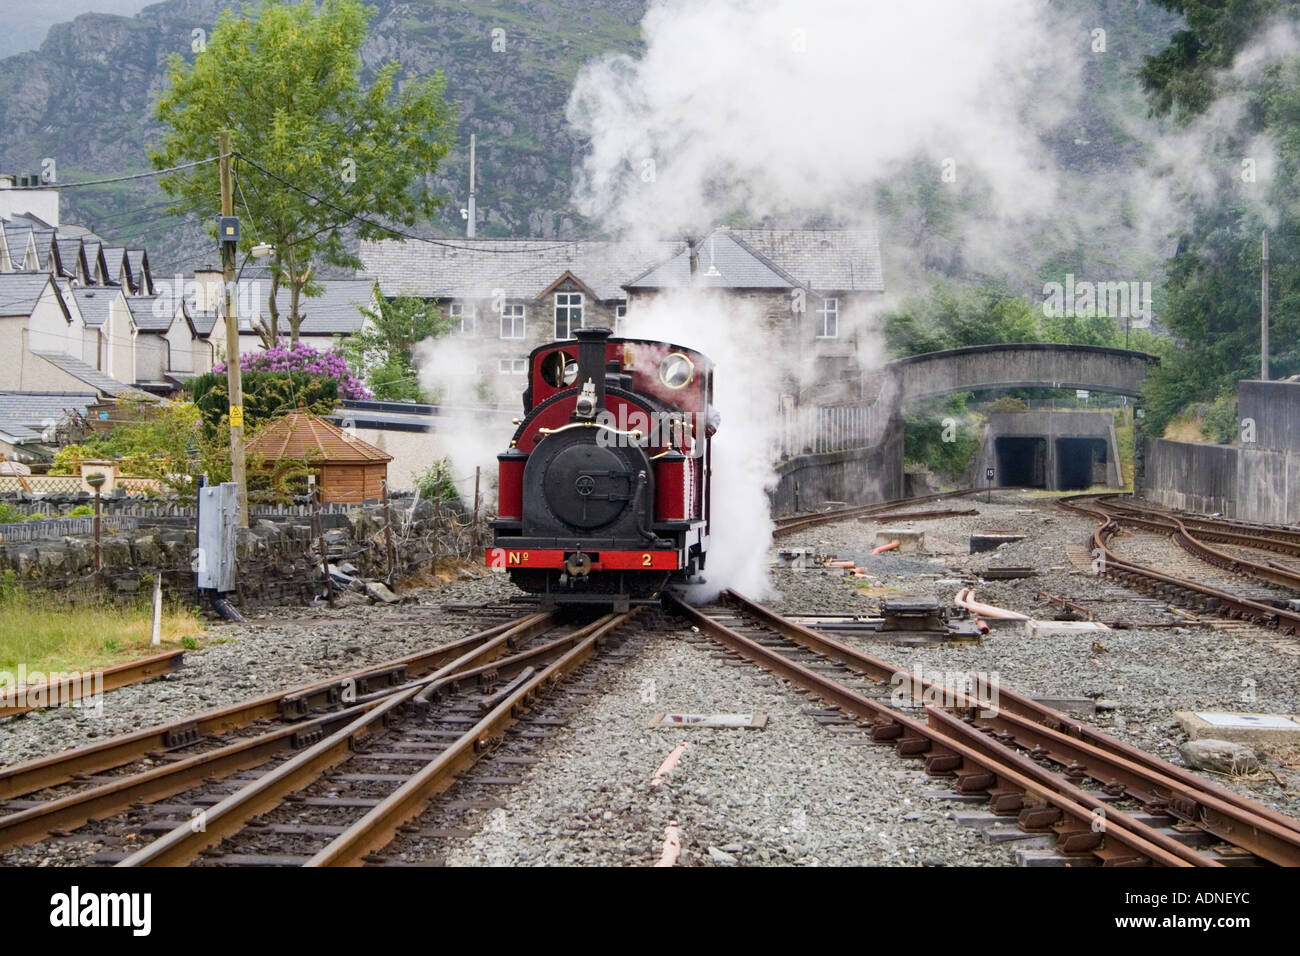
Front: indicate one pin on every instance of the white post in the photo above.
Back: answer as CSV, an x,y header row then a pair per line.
x,y
157,609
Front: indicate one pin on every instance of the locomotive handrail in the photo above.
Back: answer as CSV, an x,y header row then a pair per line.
x,y
633,433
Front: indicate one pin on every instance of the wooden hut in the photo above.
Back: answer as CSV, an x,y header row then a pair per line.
x,y
347,468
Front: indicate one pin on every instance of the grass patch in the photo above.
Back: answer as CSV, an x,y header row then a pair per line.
x,y
46,634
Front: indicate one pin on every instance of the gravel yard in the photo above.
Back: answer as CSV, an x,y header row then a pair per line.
x,y
796,792
269,652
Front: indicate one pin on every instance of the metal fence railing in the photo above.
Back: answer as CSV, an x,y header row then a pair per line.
x,y
813,430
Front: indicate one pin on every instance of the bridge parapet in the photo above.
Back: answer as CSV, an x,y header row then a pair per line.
x,y
1019,365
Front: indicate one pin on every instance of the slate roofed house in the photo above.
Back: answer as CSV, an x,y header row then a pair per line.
x,y
347,469
119,334
30,423
328,317
813,291
508,296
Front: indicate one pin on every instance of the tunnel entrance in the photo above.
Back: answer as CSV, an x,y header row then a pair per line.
x,y
1080,463
1021,462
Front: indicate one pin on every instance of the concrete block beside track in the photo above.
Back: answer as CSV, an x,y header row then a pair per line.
x,y
1268,731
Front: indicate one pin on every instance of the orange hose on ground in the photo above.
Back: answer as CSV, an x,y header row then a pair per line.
x,y
672,845
667,766
885,547
966,599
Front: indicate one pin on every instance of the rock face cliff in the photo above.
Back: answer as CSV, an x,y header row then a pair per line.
x,y
85,99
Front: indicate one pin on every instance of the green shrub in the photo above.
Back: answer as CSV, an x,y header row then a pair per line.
x,y
9,514
435,483
1221,419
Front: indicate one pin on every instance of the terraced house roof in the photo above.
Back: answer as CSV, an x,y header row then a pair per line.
x,y
519,268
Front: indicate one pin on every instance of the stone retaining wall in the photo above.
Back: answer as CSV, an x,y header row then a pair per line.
x,y
279,561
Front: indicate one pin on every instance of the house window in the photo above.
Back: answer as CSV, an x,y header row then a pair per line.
x,y
463,319
828,319
512,321
620,318
568,314
512,366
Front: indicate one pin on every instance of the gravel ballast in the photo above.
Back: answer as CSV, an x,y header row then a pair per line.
x,y
798,792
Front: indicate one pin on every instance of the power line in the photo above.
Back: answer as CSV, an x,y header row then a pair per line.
x,y
120,179
357,217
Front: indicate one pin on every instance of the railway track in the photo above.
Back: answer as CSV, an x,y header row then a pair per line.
x,y
1191,534
346,795
1103,801
56,794
1170,587
793,523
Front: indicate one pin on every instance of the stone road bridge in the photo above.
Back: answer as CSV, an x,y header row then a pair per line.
x,y
1025,365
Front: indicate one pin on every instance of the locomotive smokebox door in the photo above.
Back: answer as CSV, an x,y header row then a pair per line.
x,y
588,486
572,485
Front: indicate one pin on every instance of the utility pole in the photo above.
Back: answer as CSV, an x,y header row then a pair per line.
x,y
1263,310
228,237
473,213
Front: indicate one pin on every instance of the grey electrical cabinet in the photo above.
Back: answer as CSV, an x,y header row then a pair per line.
x,y
214,559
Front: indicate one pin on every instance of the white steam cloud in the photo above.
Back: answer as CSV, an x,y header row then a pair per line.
x,y
745,385
803,105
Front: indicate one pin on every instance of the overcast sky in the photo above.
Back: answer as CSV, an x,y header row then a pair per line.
x,y
26,21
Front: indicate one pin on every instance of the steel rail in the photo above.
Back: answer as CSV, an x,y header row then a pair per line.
x,y
1262,537
1039,806
1026,707
377,828
75,687
1112,564
184,842
72,810
1190,802
1197,547
1081,749
791,523
43,772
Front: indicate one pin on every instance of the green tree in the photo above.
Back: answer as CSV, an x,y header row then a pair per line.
x,y
1183,77
285,79
170,445
954,316
384,349
1213,292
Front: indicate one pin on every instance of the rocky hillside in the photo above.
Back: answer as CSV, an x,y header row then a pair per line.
x,y
85,99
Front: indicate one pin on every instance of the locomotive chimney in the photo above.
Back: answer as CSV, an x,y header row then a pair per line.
x,y
591,372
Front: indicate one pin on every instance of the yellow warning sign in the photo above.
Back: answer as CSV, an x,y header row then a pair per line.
x,y
236,416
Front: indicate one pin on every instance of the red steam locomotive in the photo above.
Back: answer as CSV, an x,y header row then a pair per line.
x,y
603,494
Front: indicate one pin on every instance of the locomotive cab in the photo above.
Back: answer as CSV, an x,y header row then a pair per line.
x,y
604,491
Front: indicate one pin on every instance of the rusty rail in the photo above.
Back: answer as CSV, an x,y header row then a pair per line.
x,y
79,686
1148,578
792,523
1082,750
1060,808
184,842
377,828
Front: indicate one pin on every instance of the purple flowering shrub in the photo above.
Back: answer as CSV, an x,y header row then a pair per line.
x,y
303,358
